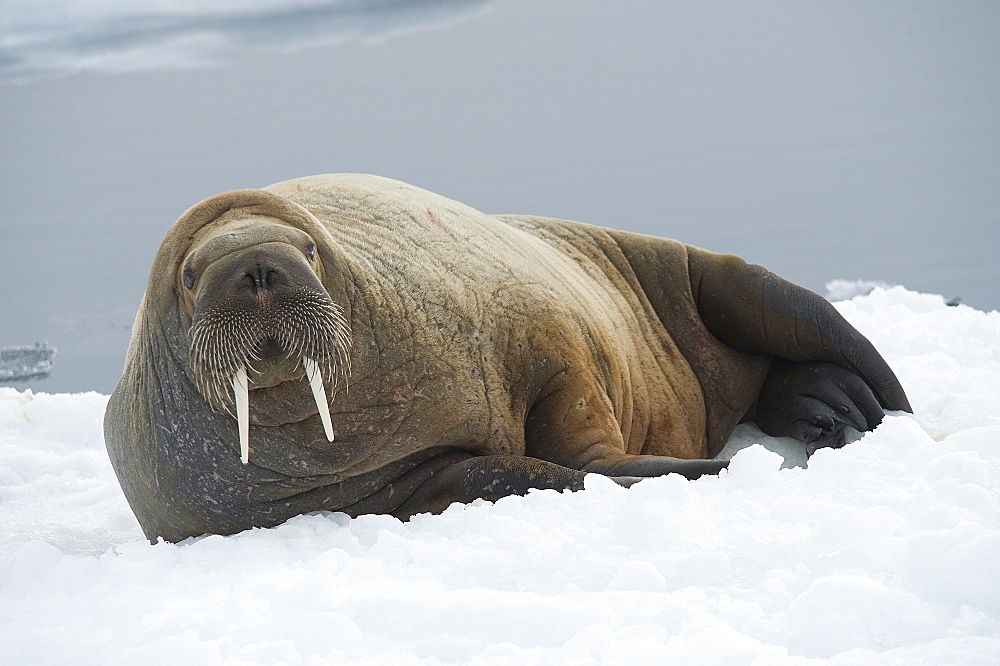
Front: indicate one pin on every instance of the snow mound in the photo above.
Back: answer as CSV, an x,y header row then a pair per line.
x,y
884,551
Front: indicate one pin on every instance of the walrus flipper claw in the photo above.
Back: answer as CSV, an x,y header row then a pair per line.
x,y
814,402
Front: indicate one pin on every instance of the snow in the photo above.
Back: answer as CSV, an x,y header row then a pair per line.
x,y
885,551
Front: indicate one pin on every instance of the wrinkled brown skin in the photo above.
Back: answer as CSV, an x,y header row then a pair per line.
x,y
492,354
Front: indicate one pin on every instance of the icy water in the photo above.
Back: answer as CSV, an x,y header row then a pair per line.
x,y
822,140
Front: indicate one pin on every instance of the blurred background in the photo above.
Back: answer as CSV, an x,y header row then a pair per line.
x,y
824,140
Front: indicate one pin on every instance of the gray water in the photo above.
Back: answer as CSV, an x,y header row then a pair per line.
x,y
822,140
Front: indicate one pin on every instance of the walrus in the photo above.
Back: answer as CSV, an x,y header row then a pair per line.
x,y
356,344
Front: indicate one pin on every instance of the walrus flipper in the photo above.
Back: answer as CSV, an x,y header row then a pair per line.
x,y
753,310
813,402
489,478
494,477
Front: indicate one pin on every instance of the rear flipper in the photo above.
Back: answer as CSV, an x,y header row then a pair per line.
x,y
814,402
755,311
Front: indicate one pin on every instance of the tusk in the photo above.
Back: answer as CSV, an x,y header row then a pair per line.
x,y
241,390
319,395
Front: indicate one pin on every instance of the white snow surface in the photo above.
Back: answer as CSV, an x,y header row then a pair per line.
x,y
886,551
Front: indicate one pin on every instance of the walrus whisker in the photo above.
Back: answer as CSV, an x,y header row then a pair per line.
x,y
319,394
241,394
308,324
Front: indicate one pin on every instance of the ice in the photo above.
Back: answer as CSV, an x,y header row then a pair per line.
x,y
21,362
884,551
44,38
842,290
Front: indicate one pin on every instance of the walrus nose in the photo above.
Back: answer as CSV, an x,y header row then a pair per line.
x,y
262,276
266,274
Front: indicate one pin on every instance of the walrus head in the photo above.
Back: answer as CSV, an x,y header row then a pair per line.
x,y
261,319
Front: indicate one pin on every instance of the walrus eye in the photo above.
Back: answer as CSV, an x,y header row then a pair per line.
x,y
188,278
311,251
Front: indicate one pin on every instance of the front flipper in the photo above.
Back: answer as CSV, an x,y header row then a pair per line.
x,y
814,402
649,466
494,477
489,478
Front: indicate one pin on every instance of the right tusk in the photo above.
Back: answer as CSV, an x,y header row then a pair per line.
x,y
241,391
319,395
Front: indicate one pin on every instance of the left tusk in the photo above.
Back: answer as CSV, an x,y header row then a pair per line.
x,y
319,395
